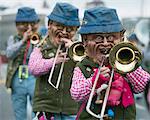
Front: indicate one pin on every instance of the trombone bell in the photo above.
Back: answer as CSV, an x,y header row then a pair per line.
x,y
125,57
77,51
35,39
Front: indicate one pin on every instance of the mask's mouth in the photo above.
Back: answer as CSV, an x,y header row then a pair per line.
x,y
104,52
103,49
58,36
63,35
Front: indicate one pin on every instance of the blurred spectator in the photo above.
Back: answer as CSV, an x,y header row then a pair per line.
x,y
133,38
146,60
146,51
146,66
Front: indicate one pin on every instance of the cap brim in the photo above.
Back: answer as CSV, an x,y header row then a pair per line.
x,y
100,29
64,20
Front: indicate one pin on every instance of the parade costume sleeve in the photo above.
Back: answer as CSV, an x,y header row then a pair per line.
x,y
81,87
138,79
37,64
12,47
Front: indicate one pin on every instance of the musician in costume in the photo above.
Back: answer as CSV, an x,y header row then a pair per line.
x,y
101,30
19,47
63,23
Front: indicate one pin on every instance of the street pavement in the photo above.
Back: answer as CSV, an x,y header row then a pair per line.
x,y
6,111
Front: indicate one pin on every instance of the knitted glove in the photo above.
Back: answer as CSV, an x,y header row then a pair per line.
x,y
116,90
101,79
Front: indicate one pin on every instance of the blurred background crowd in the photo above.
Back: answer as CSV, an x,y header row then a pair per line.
x,y
134,15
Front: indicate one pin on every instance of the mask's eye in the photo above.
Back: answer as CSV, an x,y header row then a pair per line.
x,y
60,27
99,38
110,38
69,29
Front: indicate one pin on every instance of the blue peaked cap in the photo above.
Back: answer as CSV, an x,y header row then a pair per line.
x,y
26,14
66,14
100,20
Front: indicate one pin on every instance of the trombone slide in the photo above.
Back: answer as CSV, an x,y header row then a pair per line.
x,y
106,96
52,70
101,115
91,95
53,67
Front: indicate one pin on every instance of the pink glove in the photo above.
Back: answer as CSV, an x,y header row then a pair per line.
x,y
116,90
101,79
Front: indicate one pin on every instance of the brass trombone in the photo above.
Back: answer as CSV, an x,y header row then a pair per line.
x,y
35,38
123,58
75,52
61,68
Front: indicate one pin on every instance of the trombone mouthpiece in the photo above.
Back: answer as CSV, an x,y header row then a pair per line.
x,y
125,39
107,55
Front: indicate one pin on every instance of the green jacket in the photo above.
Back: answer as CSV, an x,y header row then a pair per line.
x,y
120,112
47,98
13,64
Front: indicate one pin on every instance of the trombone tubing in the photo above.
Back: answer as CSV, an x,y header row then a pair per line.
x,y
61,69
106,95
52,70
93,90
